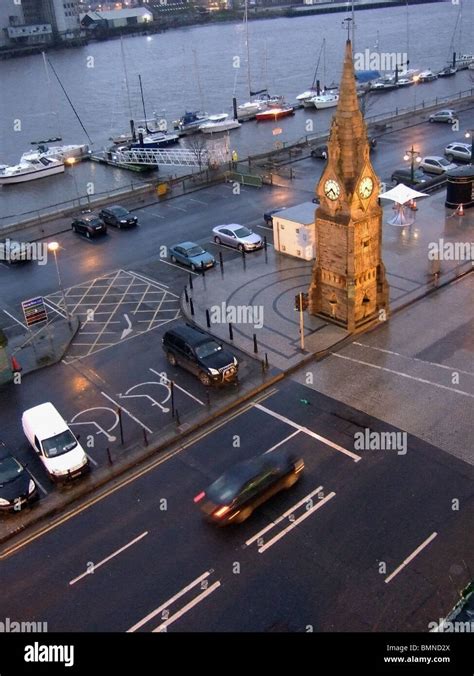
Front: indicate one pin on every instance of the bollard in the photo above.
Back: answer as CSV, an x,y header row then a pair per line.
x,y
255,346
178,423
186,297
109,456
172,397
208,319
190,281
221,261
119,413
145,438
231,332
265,243
262,364
203,269
266,360
191,306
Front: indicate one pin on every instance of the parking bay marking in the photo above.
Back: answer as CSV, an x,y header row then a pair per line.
x,y
164,409
127,412
178,387
37,482
108,558
167,603
178,266
163,626
411,557
309,432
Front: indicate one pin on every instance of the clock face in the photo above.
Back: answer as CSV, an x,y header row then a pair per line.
x,y
331,189
366,187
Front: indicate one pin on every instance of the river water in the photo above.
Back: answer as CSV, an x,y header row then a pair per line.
x,y
194,68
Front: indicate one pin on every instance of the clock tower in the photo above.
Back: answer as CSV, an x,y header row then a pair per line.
x,y
348,285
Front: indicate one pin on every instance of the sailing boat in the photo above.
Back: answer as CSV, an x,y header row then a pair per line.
x,y
152,139
315,89
458,63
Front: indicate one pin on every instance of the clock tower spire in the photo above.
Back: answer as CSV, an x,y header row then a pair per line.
x,y
348,285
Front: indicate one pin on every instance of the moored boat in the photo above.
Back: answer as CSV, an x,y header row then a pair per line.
x,y
448,71
39,167
427,76
275,113
191,121
214,126
325,100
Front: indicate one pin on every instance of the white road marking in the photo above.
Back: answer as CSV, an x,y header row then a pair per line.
x,y
37,482
108,321
137,308
411,557
108,558
151,281
295,523
167,603
309,432
173,206
162,375
92,460
178,266
126,332
192,199
422,361
153,213
54,307
283,441
96,424
162,627
404,375
164,409
16,320
128,413
283,516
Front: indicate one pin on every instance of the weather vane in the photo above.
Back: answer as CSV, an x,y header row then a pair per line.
x,y
349,25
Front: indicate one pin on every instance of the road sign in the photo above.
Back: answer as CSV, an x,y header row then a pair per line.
x,y
34,311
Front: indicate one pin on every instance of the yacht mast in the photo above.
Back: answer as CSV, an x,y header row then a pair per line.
x,y
246,19
126,78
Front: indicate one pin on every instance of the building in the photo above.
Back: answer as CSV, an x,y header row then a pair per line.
x,y
348,285
116,18
38,21
293,231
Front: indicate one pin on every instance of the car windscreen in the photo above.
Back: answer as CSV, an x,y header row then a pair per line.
x,y
225,489
207,349
9,470
59,444
242,232
94,221
119,211
195,251
443,162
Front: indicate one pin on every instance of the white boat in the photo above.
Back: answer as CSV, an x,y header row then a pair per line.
x,y
77,152
307,95
464,61
471,66
249,109
211,127
325,101
427,76
31,170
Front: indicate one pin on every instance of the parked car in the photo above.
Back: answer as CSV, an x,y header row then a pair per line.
x,y
238,236
17,488
191,254
13,251
118,216
235,495
89,224
448,116
404,176
268,215
58,449
458,150
201,354
321,152
435,164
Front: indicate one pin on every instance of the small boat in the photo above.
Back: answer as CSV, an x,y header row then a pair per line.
x,y
191,121
64,153
404,81
427,76
211,127
448,71
383,85
471,66
154,141
325,100
464,61
248,109
275,113
308,94
30,170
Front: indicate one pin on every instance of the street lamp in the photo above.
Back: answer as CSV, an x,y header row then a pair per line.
x,y
71,161
414,157
470,134
53,247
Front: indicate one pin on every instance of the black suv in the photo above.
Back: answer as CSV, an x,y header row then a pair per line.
x,y
201,354
89,224
234,496
118,216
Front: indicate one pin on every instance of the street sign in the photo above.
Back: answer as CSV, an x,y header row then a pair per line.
x,y
34,311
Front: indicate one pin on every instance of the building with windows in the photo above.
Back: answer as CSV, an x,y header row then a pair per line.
x,y
38,21
119,18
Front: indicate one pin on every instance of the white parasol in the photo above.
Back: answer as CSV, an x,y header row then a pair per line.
x,y
401,194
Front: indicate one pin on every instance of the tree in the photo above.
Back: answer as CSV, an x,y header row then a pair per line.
x,y
197,144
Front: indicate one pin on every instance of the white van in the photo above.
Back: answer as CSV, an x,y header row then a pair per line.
x,y
58,449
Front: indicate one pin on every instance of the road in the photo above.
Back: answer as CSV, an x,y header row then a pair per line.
x,y
365,541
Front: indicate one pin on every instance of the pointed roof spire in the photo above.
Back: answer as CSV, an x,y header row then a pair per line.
x,y
348,131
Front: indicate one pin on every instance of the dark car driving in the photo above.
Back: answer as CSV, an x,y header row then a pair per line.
x,y
89,224
233,497
17,488
404,176
201,354
118,216
321,152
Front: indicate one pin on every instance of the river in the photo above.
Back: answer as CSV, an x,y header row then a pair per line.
x,y
194,68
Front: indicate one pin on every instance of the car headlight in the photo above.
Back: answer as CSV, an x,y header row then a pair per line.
x,y
31,486
213,372
85,461
57,472
235,361
4,502
123,221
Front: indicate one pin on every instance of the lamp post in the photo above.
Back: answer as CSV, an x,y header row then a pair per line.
x,y
470,134
71,161
412,155
53,247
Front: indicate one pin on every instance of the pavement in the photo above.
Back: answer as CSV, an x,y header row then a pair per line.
x,y
266,283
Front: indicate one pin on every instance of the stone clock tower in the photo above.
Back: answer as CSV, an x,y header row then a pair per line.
x,y
348,286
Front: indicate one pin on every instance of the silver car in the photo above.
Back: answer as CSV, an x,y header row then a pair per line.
x,y
448,116
435,164
458,151
238,236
